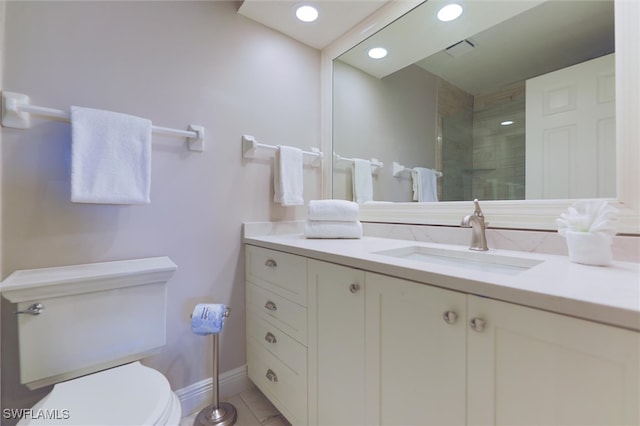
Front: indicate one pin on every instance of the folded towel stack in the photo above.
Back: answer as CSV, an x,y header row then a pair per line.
x,y
333,219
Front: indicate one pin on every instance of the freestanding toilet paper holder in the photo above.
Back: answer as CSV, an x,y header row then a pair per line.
x,y
218,413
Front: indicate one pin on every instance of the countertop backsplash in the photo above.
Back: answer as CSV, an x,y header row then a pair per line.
x,y
625,248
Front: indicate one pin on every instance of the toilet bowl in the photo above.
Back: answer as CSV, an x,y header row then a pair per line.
x,y
83,329
132,394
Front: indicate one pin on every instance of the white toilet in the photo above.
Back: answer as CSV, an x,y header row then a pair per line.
x,y
83,328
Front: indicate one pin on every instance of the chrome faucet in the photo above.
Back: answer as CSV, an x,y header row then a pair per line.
x,y
476,222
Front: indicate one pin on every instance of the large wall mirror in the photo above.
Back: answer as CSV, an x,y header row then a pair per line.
x,y
521,104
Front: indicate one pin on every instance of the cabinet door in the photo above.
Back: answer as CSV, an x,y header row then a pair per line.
x,y
415,356
527,366
336,344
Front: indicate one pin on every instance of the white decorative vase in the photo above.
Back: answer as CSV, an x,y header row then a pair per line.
x,y
589,249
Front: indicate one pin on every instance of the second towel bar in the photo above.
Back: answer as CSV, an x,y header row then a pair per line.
x,y
375,163
399,168
250,144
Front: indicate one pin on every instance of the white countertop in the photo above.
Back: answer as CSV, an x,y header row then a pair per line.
x,y
608,294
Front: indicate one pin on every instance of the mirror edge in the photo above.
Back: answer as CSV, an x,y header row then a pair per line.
x,y
372,24
519,214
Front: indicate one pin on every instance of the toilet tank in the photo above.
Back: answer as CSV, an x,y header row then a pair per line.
x,y
94,316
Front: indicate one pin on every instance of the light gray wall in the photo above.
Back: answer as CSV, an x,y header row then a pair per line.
x,y
391,119
176,63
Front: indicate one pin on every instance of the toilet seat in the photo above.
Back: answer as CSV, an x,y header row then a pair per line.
x,y
131,394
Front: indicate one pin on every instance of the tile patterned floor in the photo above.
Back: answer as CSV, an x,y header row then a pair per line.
x,y
254,409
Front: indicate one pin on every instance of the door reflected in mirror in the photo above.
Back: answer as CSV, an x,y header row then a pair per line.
x,y
506,104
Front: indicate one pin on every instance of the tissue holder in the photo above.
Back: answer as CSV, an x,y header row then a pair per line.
x,y
589,248
208,318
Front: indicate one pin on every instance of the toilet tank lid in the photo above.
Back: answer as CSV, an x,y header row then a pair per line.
x,y
37,284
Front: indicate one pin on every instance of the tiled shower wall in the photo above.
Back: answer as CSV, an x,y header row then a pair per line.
x,y
481,158
455,142
498,150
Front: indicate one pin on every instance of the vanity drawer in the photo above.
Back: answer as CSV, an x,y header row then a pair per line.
x,y
284,274
285,388
285,348
278,311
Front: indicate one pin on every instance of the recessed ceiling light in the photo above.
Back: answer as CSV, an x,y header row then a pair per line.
x,y
377,53
507,123
450,12
307,13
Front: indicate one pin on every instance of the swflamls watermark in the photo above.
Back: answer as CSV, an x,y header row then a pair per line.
x,y
36,414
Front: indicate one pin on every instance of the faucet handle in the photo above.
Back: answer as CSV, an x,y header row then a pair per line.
x,y
478,210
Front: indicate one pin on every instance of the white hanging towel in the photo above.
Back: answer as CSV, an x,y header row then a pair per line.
x,y
425,184
362,181
110,157
287,176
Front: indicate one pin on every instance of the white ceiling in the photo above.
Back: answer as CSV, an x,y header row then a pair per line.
x,y
514,41
335,18
508,52
551,36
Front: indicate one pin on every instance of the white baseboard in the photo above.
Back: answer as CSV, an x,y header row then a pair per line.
x,y
200,394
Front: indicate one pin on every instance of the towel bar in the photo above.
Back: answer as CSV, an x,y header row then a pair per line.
x,y
375,163
16,109
399,168
250,144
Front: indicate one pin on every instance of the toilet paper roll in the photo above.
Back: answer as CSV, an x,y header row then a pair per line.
x,y
208,318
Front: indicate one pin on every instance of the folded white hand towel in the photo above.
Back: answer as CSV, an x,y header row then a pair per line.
x,y
589,249
110,157
335,210
287,176
425,184
362,181
332,229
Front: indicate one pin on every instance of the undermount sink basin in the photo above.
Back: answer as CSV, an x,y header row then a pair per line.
x,y
476,260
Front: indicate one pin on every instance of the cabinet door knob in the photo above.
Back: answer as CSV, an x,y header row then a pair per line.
x,y
354,288
270,306
477,324
270,338
270,263
271,376
450,317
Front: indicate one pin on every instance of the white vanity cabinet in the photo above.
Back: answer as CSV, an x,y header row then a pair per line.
x,y
492,363
415,353
336,345
276,300
369,349
527,366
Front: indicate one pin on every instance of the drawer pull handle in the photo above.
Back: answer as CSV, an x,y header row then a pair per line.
x,y
271,376
270,306
270,338
450,317
354,288
477,324
34,309
271,263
